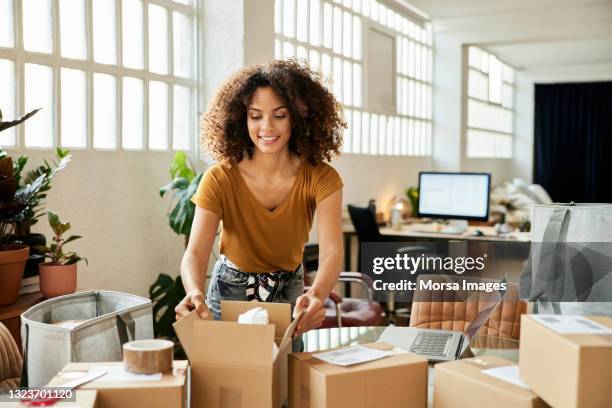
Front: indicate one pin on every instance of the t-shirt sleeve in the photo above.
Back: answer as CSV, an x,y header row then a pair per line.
x,y
208,194
327,182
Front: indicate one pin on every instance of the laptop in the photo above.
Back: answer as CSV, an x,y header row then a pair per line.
x,y
439,345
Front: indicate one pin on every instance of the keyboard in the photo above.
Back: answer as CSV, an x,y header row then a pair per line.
x,y
432,344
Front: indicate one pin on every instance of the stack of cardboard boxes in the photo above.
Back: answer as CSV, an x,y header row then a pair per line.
x,y
563,363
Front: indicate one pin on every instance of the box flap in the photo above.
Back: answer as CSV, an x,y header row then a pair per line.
x,y
288,335
231,343
184,331
279,313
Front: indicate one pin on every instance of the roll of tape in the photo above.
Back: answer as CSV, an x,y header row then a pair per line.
x,y
148,356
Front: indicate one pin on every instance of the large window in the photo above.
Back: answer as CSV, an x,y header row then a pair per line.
x,y
355,43
490,112
109,74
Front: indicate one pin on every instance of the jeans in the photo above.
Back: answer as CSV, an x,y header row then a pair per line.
x,y
228,283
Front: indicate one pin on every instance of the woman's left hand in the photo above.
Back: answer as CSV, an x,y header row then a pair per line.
x,y
314,315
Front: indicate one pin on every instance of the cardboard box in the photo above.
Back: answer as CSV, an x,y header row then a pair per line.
x,y
170,391
233,364
399,380
564,364
84,399
463,383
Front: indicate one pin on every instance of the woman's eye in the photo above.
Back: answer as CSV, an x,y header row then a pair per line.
x,y
255,117
280,116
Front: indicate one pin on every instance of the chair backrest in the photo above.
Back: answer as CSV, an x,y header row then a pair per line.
x,y
452,312
10,361
365,224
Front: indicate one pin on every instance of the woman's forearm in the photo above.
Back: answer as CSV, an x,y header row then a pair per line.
x,y
193,271
330,265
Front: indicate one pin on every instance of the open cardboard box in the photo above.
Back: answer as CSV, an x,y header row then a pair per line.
x,y
233,364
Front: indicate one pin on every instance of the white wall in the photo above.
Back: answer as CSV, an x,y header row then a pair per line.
x,y
112,200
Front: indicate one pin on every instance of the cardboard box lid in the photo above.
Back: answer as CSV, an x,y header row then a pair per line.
x,y
252,345
399,359
176,378
472,370
579,339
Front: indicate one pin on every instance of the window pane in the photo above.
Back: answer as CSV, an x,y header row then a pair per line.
x,y
7,100
315,22
337,30
133,40
104,40
72,29
105,108
302,22
39,94
357,37
133,119
37,25
186,2
495,79
347,39
278,17
181,122
7,36
183,45
158,39
327,25
289,18
74,108
357,85
158,115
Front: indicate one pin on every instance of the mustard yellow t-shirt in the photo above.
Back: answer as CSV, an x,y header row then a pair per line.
x,y
254,238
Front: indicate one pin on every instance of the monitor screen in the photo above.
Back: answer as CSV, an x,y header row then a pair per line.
x,y
462,196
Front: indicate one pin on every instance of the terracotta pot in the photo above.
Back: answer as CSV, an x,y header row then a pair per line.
x,y
12,262
57,280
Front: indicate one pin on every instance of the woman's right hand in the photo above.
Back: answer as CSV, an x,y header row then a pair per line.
x,y
193,300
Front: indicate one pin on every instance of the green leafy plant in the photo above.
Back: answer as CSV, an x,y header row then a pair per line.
x,y
13,200
165,293
55,251
413,195
48,169
184,184
16,195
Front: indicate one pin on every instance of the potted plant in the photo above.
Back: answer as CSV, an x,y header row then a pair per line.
x,y
14,201
58,277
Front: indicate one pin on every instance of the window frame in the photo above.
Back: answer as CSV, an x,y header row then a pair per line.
x,y
503,150
402,26
20,56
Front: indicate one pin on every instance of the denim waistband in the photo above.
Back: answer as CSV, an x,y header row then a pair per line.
x,y
282,273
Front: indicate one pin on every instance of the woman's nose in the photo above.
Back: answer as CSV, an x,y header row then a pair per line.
x,y
266,123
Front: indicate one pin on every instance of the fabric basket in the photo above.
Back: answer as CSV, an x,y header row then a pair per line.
x,y
569,270
109,319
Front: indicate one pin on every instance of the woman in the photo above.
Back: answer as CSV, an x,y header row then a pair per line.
x,y
270,128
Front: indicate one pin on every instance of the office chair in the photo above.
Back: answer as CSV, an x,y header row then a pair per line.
x,y
449,310
367,231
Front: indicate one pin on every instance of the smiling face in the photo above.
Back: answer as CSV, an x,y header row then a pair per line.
x,y
268,121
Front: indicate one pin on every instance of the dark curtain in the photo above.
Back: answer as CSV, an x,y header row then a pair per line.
x,y
573,141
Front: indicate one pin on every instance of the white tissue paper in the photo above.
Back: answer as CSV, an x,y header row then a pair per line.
x,y
257,315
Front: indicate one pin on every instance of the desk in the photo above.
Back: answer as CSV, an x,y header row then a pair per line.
x,y
427,232
325,339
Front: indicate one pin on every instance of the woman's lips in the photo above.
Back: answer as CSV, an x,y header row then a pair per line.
x,y
268,139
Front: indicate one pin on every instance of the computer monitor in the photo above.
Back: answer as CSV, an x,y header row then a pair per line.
x,y
458,196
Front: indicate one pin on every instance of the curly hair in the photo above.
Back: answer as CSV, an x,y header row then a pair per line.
x,y
316,115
